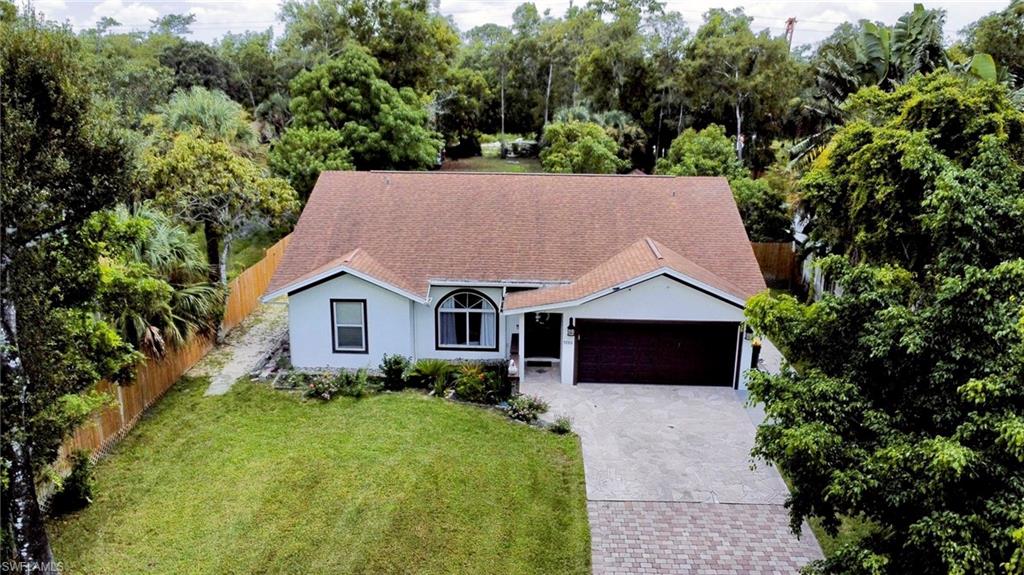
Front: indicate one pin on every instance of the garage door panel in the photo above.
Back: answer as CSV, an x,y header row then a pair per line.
x,y
656,352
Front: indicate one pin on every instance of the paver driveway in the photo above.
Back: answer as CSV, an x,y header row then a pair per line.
x,y
669,481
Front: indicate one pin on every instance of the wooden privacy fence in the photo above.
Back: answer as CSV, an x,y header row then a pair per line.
x,y
155,376
247,288
777,261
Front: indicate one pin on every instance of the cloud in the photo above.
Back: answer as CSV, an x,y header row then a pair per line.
x,y
131,16
815,20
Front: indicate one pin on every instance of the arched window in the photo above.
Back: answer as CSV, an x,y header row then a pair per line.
x,y
467,319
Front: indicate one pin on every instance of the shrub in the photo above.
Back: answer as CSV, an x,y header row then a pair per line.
x,y
432,373
295,380
350,384
326,386
316,385
526,407
498,382
283,362
394,368
562,425
76,490
471,383
579,148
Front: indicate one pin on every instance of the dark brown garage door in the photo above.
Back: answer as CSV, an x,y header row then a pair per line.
x,y
701,353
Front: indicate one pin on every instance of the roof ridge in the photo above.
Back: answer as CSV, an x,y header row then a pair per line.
x,y
690,261
654,248
347,258
519,174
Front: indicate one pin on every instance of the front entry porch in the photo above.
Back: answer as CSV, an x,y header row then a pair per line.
x,y
537,347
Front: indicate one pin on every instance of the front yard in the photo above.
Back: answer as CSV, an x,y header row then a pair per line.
x,y
259,481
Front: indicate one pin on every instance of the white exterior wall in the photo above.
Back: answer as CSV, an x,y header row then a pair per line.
x,y
309,324
395,325
398,325
659,298
425,327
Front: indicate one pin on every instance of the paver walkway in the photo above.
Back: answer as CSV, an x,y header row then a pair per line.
x,y
663,537
243,347
669,482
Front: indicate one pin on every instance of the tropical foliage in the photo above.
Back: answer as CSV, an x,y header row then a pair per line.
x,y
382,127
915,173
153,279
903,405
133,160
763,203
64,161
579,148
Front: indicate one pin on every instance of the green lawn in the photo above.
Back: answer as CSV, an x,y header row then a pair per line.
x,y
851,529
248,250
259,481
486,164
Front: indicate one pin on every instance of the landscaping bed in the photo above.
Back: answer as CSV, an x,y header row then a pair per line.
x,y
262,481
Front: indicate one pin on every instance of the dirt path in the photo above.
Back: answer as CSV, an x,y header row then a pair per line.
x,y
243,348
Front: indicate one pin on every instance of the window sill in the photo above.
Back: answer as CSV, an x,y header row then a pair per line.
x,y
464,348
351,351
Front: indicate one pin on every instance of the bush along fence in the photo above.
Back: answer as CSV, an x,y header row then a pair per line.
x,y
156,375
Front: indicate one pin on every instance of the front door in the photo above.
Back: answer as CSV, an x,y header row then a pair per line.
x,y
543,336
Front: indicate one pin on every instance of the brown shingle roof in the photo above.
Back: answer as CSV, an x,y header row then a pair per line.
x,y
423,226
360,261
641,258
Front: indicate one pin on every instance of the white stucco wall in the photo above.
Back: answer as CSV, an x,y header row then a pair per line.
x,y
659,298
425,326
396,325
309,324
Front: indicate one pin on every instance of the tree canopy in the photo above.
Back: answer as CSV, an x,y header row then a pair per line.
x,y
939,154
207,183
383,127
64,160
708,152
762,203
1001,34
903,405
579,148
412,42
302,153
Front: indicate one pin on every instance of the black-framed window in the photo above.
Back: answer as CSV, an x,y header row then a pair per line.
x,y
467,319
348,326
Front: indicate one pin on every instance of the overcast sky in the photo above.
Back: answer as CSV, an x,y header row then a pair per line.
x,y
815,20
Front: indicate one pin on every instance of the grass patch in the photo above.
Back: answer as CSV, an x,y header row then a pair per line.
x,y
851,529
486,164
248,250
260,481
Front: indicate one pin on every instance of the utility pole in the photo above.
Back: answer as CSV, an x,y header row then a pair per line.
x,y
790,26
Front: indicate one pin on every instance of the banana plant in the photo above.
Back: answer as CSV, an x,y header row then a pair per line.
x,y
883,56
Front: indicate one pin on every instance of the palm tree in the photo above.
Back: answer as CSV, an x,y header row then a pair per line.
x,y
155,289
871,54
213,115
